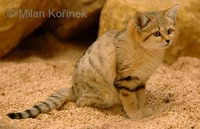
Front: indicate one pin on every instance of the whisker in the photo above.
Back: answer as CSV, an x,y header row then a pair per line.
x,y
178,45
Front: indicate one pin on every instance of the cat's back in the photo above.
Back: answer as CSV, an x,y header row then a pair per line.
x,y
99,61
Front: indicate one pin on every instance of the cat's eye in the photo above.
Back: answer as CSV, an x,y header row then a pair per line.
x,y
169,31
157,34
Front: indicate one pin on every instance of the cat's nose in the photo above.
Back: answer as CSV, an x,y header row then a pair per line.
x,y
167,40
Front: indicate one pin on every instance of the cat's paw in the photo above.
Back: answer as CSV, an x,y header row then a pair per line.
x,y
136,115
147,112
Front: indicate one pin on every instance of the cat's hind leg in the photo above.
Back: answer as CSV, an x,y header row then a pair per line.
x,y
103,99
92,100
89,101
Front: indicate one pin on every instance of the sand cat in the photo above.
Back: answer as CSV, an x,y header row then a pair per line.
x,y
114,69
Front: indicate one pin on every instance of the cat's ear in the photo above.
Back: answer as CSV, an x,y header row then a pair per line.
x,y
141,19
172,12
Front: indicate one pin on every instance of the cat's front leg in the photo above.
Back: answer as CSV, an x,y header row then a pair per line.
x,y
141,97
127,88
130,102
132,94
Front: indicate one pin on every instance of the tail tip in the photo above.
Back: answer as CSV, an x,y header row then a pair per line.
x,y
12,115
15,115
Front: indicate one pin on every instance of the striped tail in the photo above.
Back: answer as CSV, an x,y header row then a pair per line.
x,y
55,101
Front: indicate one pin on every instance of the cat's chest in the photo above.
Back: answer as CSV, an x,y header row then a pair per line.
x,y
141,67
145,69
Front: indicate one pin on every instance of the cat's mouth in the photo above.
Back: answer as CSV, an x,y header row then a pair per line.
x,y
165,45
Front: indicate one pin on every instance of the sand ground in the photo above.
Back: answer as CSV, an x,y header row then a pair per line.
x,y
30,75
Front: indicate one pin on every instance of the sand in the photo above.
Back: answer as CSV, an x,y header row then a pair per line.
x,y
30,75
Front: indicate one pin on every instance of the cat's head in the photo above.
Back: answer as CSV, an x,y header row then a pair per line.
x,y
155,30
